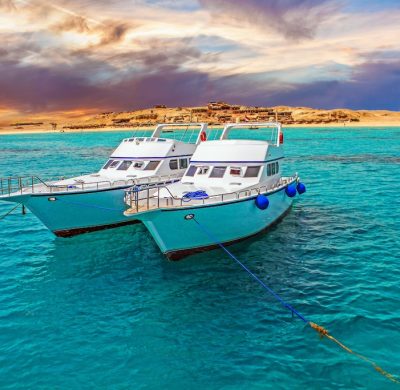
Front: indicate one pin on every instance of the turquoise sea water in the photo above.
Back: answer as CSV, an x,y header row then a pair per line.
x,y
107,310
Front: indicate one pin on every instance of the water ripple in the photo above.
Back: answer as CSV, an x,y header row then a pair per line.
x,y
106,310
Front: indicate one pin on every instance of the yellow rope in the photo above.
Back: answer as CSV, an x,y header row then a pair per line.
x,y
324,333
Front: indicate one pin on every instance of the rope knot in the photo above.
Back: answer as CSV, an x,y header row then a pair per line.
x,y
321,330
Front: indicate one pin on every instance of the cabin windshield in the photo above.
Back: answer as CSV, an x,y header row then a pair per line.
x,y
202,170
236,171
272,168
218,172
191,171
152,165
252,171
124,165
108,163
138,164
111,164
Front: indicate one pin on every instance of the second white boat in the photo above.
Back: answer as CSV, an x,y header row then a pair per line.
x,y
232,189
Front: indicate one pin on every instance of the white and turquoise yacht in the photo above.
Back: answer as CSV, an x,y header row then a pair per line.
x,y
96,201
232,189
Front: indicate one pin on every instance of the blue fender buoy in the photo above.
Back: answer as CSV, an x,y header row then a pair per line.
x,y
262,202
290,190
301,188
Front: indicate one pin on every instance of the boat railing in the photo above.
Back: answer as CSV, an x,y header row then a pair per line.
x,y
274,136
34,184
13,184
141,198
190,132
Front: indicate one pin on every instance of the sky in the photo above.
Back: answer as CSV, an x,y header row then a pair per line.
x,y
87,56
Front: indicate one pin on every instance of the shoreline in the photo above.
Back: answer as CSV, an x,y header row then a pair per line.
x,y
151,128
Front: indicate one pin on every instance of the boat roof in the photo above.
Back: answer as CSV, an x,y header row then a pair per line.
x,y
146,148
231,151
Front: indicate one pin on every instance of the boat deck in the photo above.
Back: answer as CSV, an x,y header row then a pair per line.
x,y
147,199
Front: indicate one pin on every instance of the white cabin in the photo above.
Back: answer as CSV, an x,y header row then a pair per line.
x,y
144,157
229,165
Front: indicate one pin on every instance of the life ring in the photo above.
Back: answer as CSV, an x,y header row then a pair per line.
x,y
203,136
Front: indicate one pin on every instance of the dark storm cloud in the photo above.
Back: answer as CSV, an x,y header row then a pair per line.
x,y
35,89
373,86
294,19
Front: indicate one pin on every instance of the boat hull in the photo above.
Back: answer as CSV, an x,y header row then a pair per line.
x,y
70,214
227,222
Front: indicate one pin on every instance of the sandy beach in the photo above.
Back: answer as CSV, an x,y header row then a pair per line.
x,y
216,114
12,131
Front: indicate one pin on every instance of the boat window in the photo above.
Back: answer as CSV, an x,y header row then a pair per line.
x,y
161,140
114,164
124,166
173,164
139,139
236,171
202,170
183,163
218,172
138,164
269,169
277,167
152,165
191,171
273,168
252,171
108,163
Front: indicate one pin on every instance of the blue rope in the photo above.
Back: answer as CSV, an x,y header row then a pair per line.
x,y
9,212
272,292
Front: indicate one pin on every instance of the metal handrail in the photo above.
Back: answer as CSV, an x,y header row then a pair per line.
x,y
20,184
132,194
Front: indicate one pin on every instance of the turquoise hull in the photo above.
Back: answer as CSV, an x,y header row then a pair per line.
x,y
69,214
178,237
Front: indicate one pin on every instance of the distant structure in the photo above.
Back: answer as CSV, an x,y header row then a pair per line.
x,y
215,113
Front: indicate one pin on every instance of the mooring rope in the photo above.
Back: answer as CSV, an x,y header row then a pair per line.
x,y
321,330
9,212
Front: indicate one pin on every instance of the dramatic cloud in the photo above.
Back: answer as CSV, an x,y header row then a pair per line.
x,y
294,19
34,89
7,5
373,86
72,23
100,55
